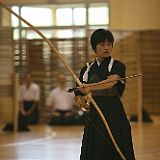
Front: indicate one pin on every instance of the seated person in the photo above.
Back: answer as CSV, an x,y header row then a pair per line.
x,y
60,103
29,99
29,96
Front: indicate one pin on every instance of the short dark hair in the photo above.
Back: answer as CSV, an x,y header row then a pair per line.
x,y
101,35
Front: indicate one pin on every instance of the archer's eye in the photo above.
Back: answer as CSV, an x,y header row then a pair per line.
x,y
102,44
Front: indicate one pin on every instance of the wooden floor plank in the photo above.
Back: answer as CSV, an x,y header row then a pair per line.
x,y
64,142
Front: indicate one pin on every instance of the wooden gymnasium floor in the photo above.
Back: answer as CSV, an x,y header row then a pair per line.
x,y
63,143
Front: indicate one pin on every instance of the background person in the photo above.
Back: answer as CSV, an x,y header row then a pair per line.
x,y
60,103
29,96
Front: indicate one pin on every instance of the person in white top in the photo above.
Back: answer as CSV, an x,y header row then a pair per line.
x,y
60,102
29,97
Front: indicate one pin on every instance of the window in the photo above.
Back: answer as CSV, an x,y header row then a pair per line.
x,y
79,16
98,15
61,15
37,16
64,17
33,35
14,19
16,34
65,33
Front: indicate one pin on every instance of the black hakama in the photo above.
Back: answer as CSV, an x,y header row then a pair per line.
x,y
96,143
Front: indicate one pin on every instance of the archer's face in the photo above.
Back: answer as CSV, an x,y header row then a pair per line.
x,y
104,49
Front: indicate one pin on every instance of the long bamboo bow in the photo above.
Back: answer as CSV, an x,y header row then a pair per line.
x,y
54,50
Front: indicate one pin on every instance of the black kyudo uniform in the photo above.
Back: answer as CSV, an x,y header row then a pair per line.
x,y
96,143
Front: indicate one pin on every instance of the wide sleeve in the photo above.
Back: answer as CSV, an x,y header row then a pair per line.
x,y
81,80
120,70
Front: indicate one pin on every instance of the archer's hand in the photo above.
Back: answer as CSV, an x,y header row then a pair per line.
x,y
84,88
113,78
81,101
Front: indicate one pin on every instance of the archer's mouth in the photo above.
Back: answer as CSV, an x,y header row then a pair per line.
x,y
106,53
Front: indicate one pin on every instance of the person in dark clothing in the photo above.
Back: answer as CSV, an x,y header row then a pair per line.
x,y
96,143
